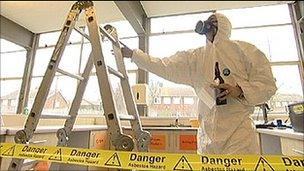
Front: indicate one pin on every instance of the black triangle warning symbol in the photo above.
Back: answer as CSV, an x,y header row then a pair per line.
x,y
113,161
263,165
9,152
56,156
182,164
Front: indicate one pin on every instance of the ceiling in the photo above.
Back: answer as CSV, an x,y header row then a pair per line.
x,y
43,16
163,8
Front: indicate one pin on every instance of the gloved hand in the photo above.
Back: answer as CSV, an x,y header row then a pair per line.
x,y
230,91
126,52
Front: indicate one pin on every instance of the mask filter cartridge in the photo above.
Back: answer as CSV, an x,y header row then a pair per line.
x,y
203,27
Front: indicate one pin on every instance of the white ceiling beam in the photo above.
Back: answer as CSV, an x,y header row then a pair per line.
x,y
134,13
15,33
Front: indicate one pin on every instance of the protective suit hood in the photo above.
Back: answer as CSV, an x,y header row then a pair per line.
x,y
224,27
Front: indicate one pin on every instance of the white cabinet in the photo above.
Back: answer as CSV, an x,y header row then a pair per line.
x,y
281,142
292,147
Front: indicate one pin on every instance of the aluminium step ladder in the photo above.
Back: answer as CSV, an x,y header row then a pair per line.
x,y
119,140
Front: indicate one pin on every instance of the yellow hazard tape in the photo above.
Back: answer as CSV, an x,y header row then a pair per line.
x,y
151,161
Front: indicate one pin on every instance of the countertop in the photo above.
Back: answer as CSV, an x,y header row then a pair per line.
x,y
50,129
288,133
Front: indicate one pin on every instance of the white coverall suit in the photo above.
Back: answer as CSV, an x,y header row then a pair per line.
x,y
224,129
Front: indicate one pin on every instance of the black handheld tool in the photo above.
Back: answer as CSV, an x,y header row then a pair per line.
x,y
219,79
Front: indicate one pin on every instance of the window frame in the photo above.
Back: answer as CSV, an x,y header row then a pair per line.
x,y
18,78
30,53
149,34
275,63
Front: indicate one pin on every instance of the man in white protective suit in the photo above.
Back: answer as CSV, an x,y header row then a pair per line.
x,y
246,81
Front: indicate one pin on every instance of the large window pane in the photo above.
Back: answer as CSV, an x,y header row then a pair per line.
x,y
166,45
108,54
48,39
60,97
85,56
63,88
132,78
110,59
106,51
132,43
118,95
288,79
278,43
177,23
163,46
265,15
91,102
7,46
69,61
42,59
12,64
9,96
124,28
289,87
35,83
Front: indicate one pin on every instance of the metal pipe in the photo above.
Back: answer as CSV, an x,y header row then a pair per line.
x,y
69,74
116,73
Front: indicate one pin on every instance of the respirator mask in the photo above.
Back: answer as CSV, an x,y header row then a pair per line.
x,y
203,27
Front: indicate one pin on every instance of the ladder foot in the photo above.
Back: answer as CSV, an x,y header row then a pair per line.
x,y
143,141
124,143
62,137
20,137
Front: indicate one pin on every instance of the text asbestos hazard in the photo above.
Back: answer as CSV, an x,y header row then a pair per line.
x,y
147,161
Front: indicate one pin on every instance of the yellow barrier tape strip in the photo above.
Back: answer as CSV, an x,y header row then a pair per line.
x,y
151,161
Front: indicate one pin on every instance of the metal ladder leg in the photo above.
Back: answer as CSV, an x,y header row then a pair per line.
x,y
119,140
68,125
63,134
142,137
23,136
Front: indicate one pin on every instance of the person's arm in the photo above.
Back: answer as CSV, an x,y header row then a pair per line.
x,y
260,86
178,68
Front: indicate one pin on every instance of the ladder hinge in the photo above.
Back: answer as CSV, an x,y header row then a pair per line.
x,y
80,5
